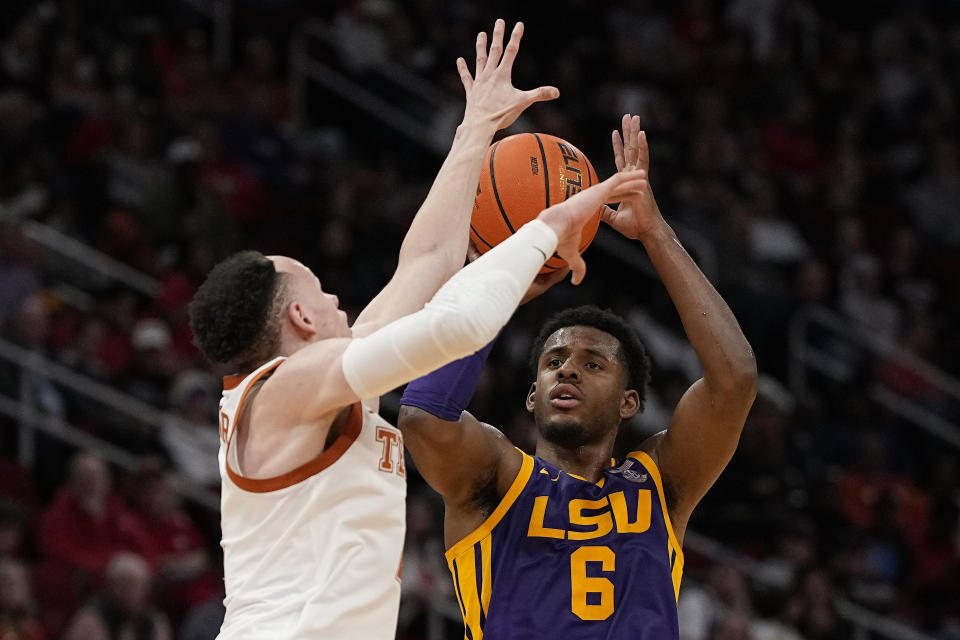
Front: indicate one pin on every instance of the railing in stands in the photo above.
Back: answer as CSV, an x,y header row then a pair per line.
x,y
806,355
64,254
29,418
304,67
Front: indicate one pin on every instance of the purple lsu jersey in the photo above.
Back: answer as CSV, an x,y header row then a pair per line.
x,y
562,557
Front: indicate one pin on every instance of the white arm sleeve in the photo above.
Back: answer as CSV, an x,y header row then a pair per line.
x,y
464,315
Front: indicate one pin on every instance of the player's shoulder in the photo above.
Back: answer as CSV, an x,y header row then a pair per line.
x,y
308,384
314,358
491,430
309,370
648,450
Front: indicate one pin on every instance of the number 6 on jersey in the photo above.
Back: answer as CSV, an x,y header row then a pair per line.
x,y
581,584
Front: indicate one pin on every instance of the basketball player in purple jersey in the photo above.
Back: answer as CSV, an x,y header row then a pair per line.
x,y
568,543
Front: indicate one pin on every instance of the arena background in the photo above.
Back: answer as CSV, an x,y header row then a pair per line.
x,y
806,151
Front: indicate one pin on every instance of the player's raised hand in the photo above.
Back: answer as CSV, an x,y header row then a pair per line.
x,y
568,217
490,92
634,217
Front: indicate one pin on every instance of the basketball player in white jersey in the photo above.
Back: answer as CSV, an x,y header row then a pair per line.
x,y
313,485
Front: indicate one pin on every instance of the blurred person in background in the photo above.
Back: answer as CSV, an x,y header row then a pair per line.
x,y
184,575
937,565
30,328
702,606
203,621
18,276
153,363
86,524
18,611
425,589
122,609
732,625
812,608
13,527
189,432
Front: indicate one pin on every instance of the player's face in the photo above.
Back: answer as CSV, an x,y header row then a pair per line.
x,y
579,395
322,309
331,319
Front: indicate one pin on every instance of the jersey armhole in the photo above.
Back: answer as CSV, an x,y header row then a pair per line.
x,y
677,569
310,468
486,528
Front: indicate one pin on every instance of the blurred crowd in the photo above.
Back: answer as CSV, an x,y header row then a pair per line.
x,y
808,148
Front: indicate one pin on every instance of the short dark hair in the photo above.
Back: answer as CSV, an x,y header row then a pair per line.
x,y
235,314
632,353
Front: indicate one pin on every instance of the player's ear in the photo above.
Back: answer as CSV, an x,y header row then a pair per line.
x,y
300,319
629,404
531,397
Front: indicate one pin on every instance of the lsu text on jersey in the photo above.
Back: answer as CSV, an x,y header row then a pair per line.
x,y
562,557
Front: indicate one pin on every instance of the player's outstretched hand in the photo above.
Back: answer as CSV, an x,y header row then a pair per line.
x,y
490,92
634,217
568,217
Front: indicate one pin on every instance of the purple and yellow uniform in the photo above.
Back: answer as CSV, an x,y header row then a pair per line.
x,y
566,558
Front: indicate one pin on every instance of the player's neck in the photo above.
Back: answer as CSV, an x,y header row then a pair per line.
x,y
292,340
587,461
290,343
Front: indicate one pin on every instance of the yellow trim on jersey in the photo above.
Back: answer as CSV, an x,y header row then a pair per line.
x,y
486,555
484,530
654,470
472,604
599,482
677,574
462,558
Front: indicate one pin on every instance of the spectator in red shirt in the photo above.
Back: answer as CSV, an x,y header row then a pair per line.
x,y
87,524
184,575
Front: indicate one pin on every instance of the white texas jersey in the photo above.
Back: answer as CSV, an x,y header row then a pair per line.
x,y
314,553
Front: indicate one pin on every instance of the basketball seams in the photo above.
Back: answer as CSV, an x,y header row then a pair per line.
x,y
480,237
496,192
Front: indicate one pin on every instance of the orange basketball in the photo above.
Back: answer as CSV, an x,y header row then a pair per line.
x,y
522,175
